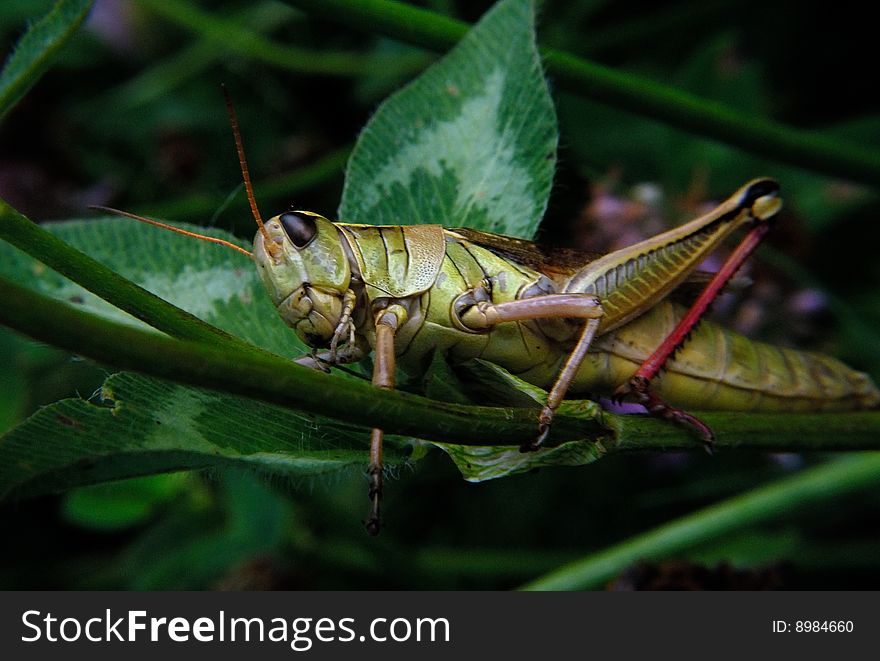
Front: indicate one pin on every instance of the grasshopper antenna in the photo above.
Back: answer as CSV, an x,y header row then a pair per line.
x,y
150,221
245,173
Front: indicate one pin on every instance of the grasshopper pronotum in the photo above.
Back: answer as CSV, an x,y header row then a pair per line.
x,y
562,320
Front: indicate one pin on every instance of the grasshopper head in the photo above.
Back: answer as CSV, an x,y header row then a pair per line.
x,y
303,264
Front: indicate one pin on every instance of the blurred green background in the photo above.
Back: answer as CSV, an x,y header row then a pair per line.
x,y
131,115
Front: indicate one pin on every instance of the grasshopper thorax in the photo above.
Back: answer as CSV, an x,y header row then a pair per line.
x,y
302,262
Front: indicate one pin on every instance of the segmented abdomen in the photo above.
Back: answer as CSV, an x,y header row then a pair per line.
x,y
719,369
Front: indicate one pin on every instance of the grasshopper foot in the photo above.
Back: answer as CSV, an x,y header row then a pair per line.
x,y
313,361
638,389
544,421
623,392
374,522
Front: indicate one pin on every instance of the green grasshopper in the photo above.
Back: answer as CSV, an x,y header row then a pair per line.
x,y
559,319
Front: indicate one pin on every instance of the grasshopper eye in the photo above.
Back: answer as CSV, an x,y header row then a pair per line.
x,y
759,189
762,198
299,229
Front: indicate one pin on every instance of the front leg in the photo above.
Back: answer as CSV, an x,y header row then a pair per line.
x,y
388,321
484,315
352,351
324,360
345,325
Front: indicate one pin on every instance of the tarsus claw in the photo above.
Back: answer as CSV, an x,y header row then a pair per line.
x,y
544,421
638,389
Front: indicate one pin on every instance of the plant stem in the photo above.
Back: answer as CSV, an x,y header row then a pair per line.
x,y
232,366
100,280
232,36
159,80
770,432
255,373
35,51
806,149
781,498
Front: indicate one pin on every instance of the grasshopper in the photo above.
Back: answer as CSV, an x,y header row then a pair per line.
x,y
557,318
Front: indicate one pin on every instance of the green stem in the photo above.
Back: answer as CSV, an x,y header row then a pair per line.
x,y
770,432
232,366
162,78
233,37
213,359
264,376
660,24
35,51
781,498
100,280
638,94
413,25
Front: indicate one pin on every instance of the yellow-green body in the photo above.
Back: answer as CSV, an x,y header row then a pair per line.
x,y
448,291
715,369
569,323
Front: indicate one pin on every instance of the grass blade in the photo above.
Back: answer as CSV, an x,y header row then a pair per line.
x,y
35,51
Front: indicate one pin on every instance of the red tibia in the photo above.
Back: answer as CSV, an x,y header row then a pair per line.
x,y
656,360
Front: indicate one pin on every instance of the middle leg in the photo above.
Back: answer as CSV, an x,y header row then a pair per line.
x,y
484,315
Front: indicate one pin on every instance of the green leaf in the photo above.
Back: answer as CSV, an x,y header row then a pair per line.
x,y
144,426
194,546
35,51
13,385
237,38
478,464
494,384
470,142
120,505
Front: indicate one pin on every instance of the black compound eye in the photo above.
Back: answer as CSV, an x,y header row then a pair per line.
x,y
760,189
299,229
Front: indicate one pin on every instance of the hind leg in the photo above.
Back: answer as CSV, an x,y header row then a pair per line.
x,y
638,388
